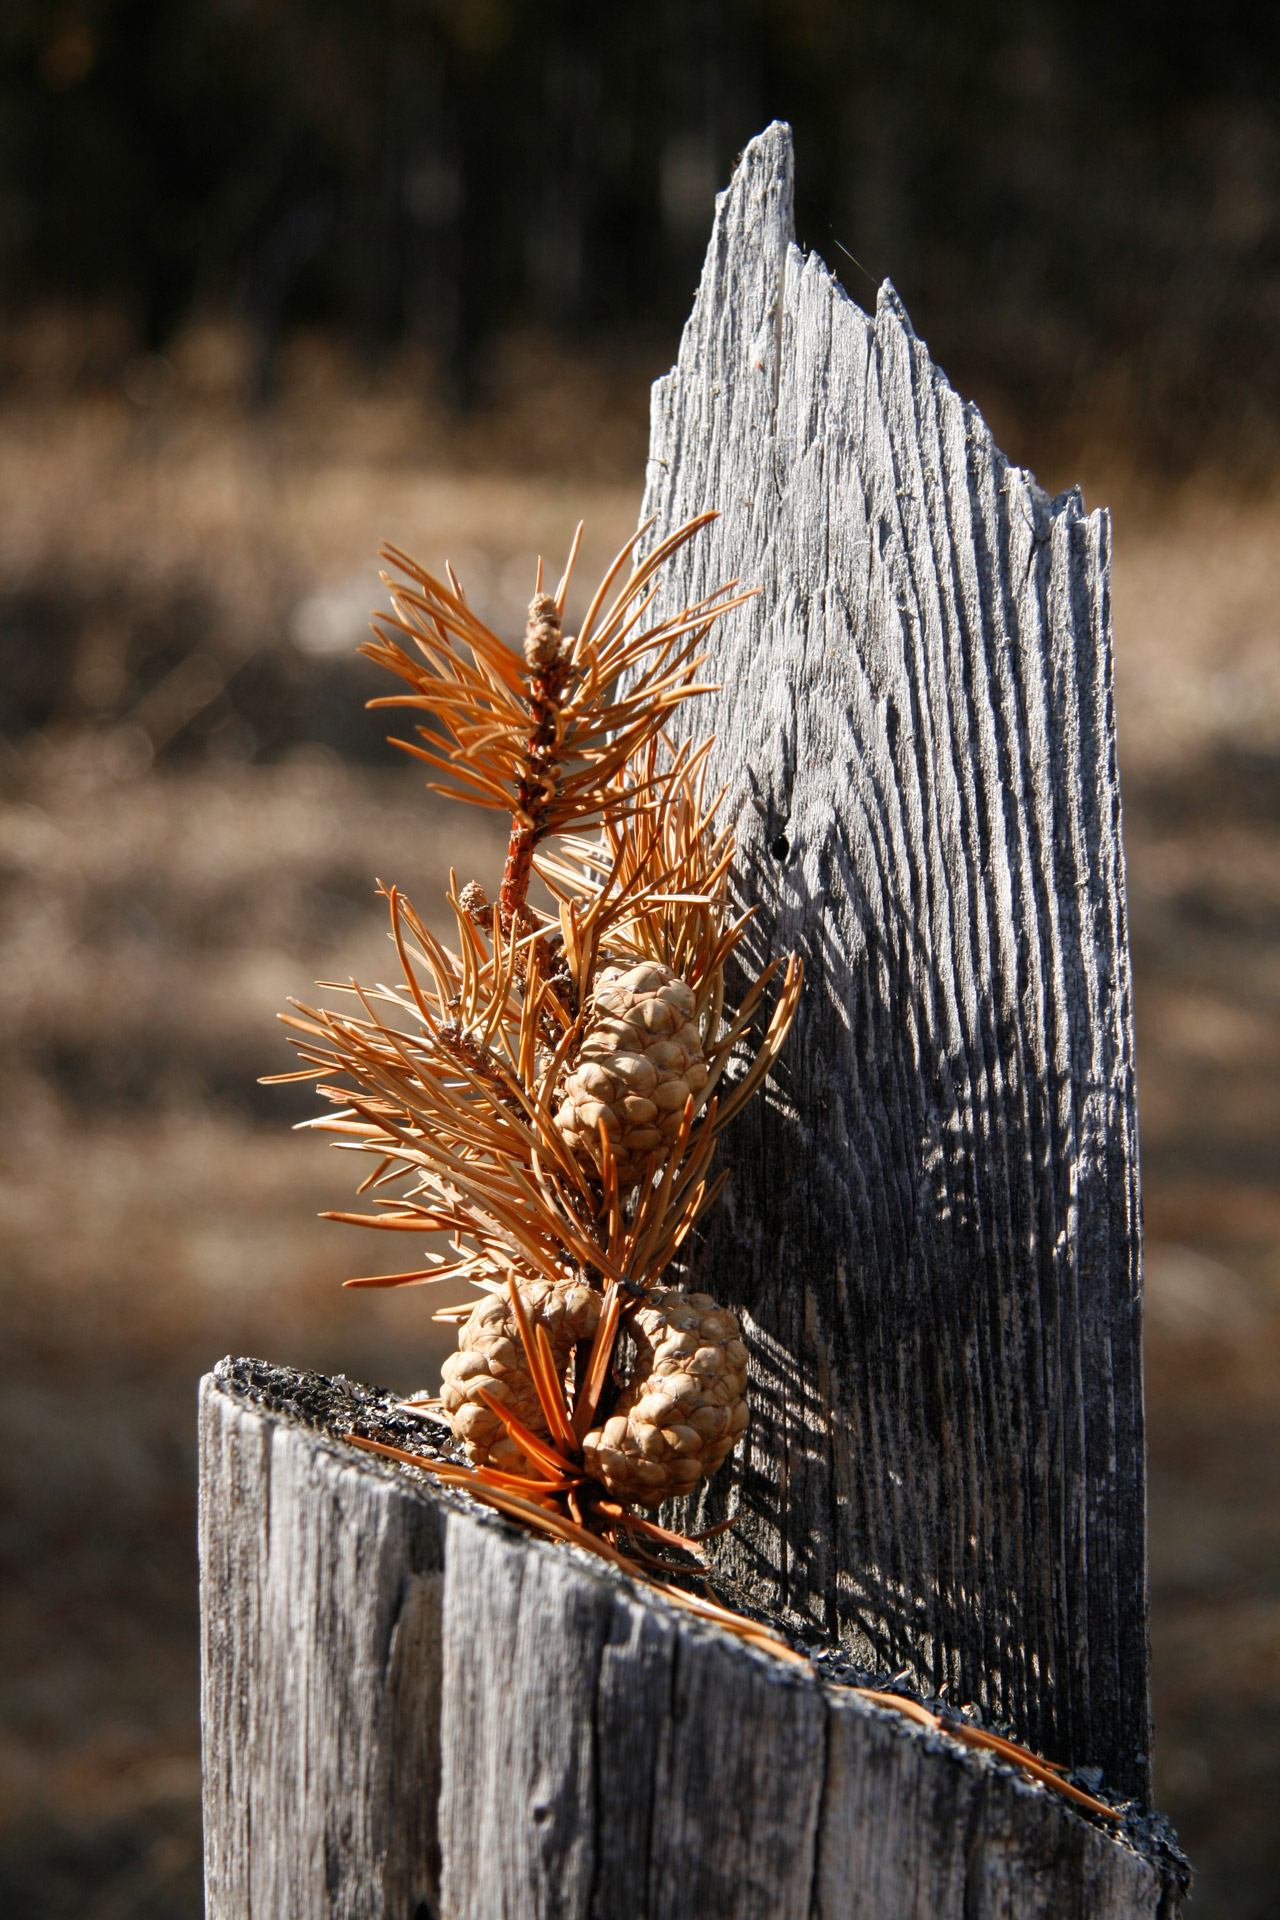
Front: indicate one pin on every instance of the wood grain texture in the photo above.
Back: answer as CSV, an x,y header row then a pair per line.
x,y
933,1226
663,1771
382,1667
320,1598
911,1826
377,1661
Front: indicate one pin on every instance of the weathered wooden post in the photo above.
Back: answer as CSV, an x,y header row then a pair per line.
x,y
411,1709
935,1228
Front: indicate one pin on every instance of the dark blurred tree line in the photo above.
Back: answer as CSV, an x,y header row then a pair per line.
x,y
1080,204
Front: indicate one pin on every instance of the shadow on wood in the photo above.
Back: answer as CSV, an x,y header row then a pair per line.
x,y
932,1224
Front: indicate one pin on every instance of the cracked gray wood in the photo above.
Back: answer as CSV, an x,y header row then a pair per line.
x,y
933,1225
320,1594
596,1757
379,1665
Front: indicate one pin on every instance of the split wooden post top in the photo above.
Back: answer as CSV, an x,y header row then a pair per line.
x,y
933,1221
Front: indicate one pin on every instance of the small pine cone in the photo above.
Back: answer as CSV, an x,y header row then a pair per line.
x,y
475,903
491,1355
684,1407
543,638
640,1059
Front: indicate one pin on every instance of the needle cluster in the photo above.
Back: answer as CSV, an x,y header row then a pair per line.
x,y
456,1082
451,1075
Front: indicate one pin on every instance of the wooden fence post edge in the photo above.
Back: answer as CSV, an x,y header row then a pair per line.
x,y
412,1709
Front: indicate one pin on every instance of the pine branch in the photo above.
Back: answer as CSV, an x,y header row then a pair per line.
x,y
460,1080
549,742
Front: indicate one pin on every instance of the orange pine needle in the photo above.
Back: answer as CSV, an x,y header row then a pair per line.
x,y
528,1442
650,1528
598,1360
1047,1772
542,1367
709,1533
554,1406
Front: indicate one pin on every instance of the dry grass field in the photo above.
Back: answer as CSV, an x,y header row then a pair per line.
x,y
193,808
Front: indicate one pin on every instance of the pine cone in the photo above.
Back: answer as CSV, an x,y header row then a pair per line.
x,y
640,1059
491,1355
684,1407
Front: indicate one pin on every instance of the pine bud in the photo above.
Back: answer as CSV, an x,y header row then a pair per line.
x,y
476,904
543,637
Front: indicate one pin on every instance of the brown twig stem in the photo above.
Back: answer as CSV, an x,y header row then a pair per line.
x,y
552,666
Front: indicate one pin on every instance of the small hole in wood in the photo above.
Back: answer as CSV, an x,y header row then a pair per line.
x,y
781,847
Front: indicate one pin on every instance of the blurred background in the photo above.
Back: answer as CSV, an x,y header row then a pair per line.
x,y
280,279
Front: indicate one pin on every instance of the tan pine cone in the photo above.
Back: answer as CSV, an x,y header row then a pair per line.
x,y
491,1355
640,1059
684,1407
